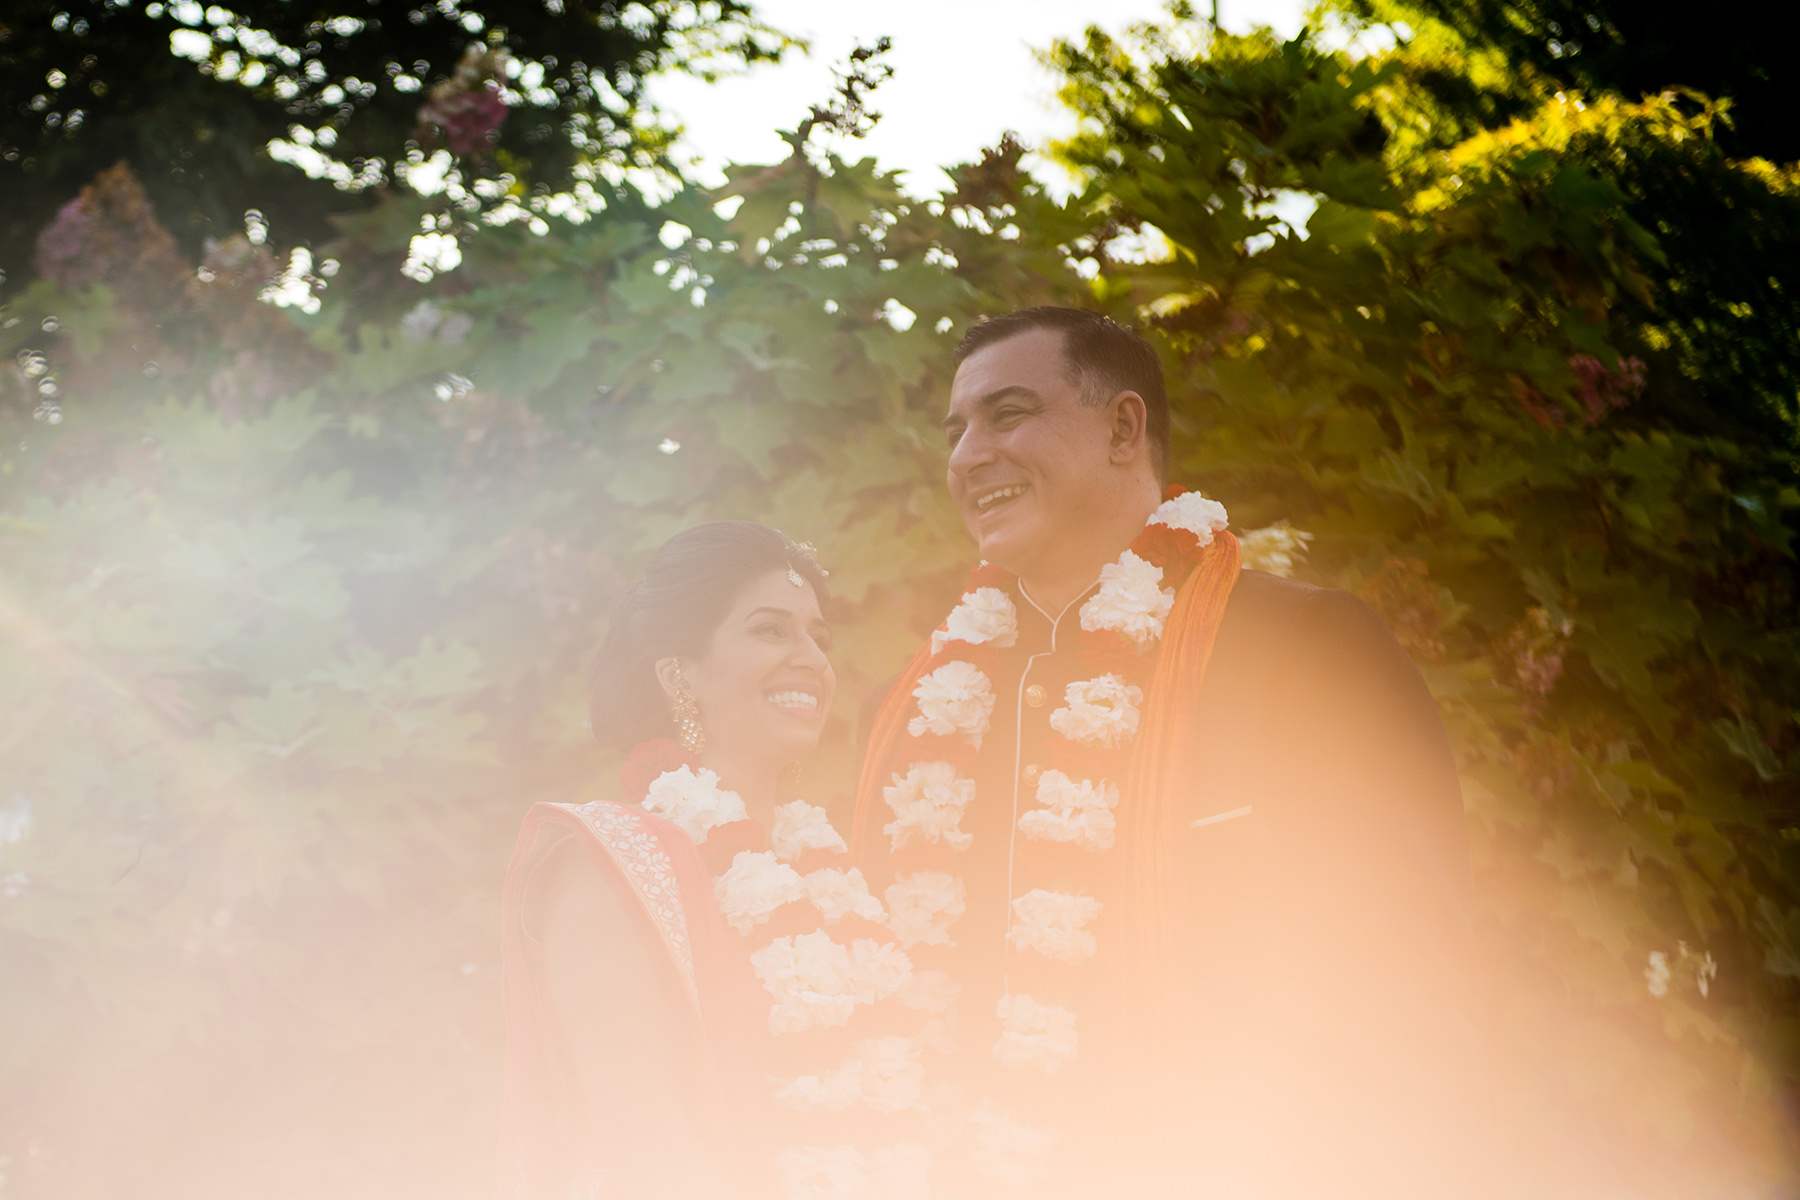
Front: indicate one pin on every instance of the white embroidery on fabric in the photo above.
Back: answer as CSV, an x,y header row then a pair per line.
x,y
641,858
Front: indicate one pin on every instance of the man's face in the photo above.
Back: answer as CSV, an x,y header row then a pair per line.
x,y
1027,458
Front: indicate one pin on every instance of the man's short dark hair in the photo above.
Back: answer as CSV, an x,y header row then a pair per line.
x,y
1104,359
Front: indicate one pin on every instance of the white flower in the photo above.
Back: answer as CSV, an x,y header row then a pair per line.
x,y
822,1173
838,894
833,1091
985,616
755,886
892,1073
901,1172
928,803
885,1073
1034,1034
935,994
693,801
1705,972
923,906
1099,712
1275,548
878,969
1656,975
1052,923
1193,512
1075,811
1131,601
954,699
800,827
1007,1149
813,979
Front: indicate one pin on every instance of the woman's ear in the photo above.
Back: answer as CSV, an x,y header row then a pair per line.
x,y
1129,427
668,675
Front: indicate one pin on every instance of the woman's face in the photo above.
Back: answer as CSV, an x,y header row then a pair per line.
x,y
765,684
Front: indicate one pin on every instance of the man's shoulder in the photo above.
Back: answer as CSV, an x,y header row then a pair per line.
x,y
1290,639
1270,606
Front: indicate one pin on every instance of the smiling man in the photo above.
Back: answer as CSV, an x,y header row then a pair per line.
x,y
1185,842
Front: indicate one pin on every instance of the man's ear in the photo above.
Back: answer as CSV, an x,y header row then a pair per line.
x,y
668,671
1128,424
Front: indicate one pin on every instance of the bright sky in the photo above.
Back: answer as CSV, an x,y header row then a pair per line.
x,y
964,73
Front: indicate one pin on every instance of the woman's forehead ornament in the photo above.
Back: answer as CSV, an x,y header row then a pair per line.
x,y
812,556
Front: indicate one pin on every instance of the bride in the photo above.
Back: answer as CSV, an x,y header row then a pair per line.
x,y
631,1017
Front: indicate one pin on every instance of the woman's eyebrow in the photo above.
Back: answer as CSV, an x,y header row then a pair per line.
x,y
770,610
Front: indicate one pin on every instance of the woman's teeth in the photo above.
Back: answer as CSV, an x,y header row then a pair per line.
x,y
992,498
801,700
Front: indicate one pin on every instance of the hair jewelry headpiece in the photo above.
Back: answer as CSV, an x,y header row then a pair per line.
x,y
812,556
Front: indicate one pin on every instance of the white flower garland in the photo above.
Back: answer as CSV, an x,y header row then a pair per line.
x,y
816,982
984,617
753,887
934,994
928,803
839,894
930,798
1034,1034
1131,601
1077,811
800,827
956,699
923,906
1053,924
886,1073
693,801
1102,711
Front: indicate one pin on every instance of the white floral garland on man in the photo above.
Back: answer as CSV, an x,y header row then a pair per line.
x,y
1076,798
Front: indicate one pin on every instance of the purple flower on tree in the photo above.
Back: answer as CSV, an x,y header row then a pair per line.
x,y
465,111
1602,391
60,243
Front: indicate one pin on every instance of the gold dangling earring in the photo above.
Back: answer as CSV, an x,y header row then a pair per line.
x,y
687,717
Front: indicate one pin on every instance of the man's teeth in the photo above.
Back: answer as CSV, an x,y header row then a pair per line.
x,y
805,700
993,498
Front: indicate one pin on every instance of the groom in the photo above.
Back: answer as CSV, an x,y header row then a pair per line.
x,y
1186,841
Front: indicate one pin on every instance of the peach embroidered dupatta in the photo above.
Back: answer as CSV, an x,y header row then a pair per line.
x,y
653,862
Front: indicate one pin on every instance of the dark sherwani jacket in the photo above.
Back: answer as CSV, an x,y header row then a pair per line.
x,y
1331,1040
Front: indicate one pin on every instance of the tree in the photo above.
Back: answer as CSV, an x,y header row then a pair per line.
x,y
532,99
1637,48
1726,276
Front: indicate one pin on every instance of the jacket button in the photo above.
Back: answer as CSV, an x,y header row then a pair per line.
x,y
1035,695
1032,771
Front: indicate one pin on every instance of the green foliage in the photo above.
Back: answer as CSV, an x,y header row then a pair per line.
x,y
1632,48
190,94
295,605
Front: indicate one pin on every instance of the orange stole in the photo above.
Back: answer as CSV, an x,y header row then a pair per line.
x,y
1147,885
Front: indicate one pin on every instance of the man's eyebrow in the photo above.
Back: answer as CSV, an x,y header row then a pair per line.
x,y
992,398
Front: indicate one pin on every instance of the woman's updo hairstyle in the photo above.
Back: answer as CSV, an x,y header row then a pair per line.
x,y
687,588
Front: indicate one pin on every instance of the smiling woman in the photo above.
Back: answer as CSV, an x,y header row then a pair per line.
x,y
630,1009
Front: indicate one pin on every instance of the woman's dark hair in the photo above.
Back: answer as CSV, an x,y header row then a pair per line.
x,y
685,592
